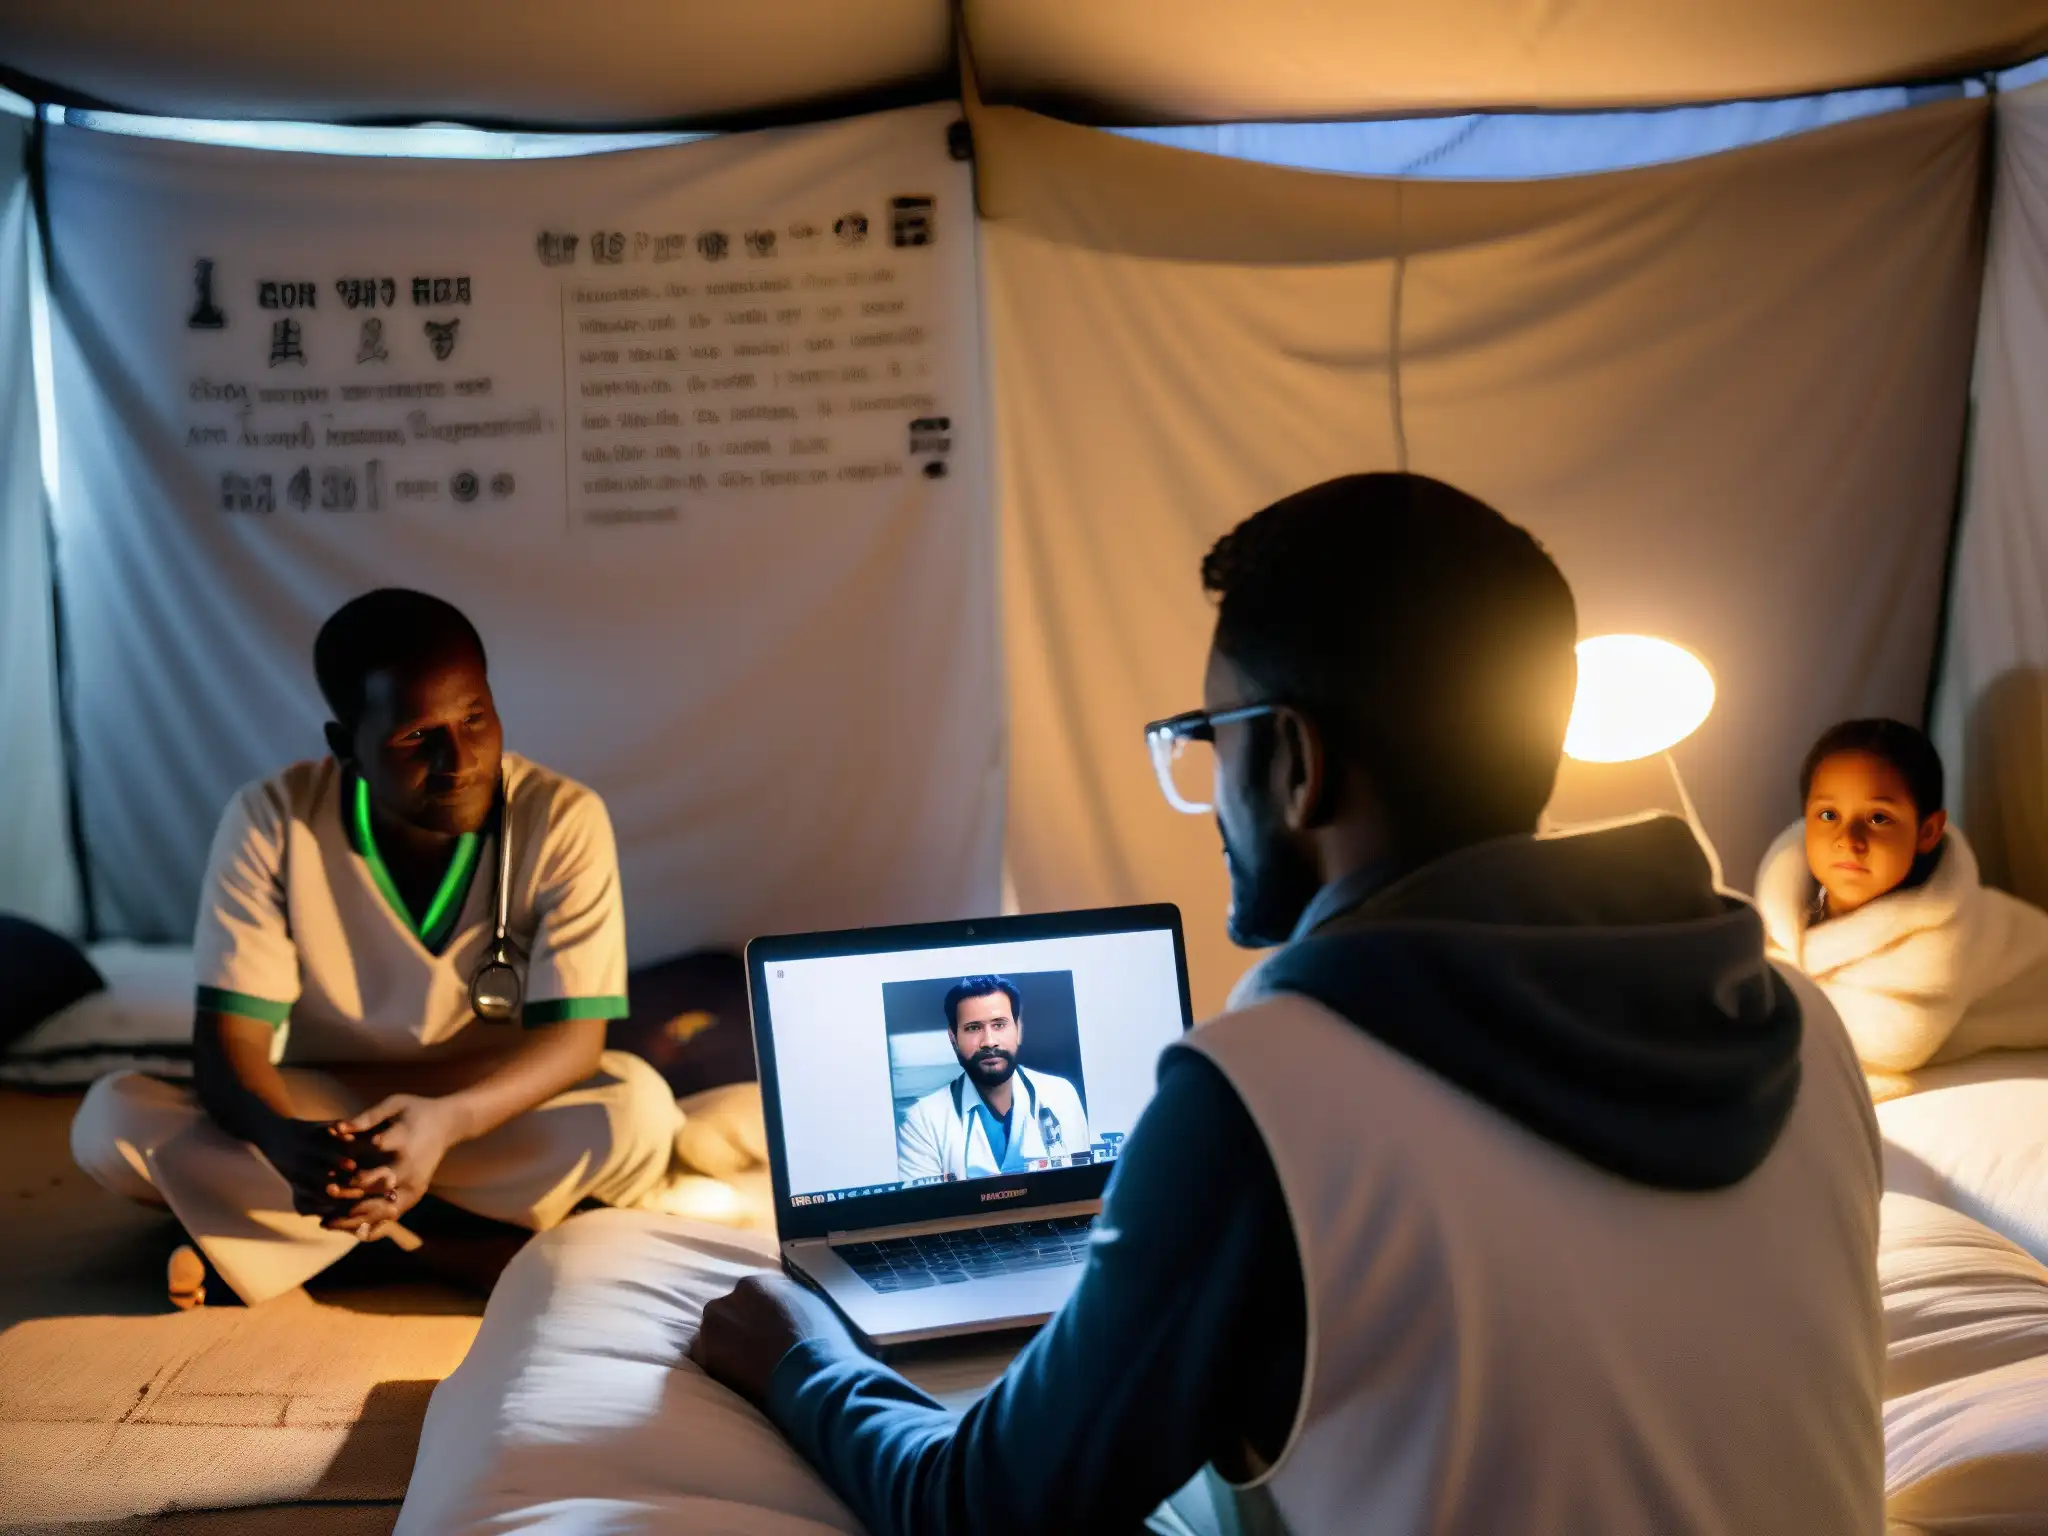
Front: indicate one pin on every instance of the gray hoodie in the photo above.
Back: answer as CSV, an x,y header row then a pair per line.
x,y
1596,988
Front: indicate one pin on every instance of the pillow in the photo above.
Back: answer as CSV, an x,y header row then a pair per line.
x,y
40,972
1971,1455
1974,1137
141,1021
577,1409
723,1132
1958,1298
690,1021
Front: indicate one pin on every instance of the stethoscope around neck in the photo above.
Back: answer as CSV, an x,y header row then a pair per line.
x,y
497,987
1050,1134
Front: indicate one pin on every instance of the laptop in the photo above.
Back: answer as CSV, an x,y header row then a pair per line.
x,y
945,1104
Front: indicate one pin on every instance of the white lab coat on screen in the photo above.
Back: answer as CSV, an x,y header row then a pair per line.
x,y
942,1135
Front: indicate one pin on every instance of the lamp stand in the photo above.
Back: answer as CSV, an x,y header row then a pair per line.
x,y
1692,819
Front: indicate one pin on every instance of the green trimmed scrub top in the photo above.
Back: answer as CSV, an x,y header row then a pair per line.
x,y
303,927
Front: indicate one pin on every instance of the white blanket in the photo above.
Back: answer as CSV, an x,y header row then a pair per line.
x,y
1932,974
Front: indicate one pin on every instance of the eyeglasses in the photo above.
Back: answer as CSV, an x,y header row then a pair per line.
x,y
1187,772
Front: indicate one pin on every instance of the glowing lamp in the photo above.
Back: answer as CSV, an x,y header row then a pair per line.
x,y
1639,697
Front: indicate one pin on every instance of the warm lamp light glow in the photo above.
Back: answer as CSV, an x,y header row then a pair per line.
x,y
1637,696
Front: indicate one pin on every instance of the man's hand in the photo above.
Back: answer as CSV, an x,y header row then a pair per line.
x,y
317,1158
245,1095
407,1136
745,1335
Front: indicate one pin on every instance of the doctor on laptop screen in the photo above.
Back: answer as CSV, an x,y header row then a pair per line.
x,y
900,1069
993,1115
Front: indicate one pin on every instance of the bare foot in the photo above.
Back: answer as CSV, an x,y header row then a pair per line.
x,y
185,1276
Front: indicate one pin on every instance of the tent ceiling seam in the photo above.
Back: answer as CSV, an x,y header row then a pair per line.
x,y
920,90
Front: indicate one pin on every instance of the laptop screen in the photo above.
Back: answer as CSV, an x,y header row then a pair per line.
x,y
913,1073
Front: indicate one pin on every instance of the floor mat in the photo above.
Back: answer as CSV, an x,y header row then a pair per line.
x,y
113,1407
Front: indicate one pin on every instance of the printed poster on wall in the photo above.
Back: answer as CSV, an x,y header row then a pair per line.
x,y
696,435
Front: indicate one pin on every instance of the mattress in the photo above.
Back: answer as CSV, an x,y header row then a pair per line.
x,y
141,1020
1966,1375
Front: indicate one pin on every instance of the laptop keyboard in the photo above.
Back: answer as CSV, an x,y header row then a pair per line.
x,y
977,1253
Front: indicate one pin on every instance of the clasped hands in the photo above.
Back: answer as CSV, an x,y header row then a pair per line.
x,y
362,1174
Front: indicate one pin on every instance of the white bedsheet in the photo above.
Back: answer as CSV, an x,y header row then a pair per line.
x,y
1974,1137
1966,1380
1965,1286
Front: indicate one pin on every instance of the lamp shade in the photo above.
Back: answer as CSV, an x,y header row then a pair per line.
x,y
1637,696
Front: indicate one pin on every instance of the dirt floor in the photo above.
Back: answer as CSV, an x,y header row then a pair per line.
x,y
299,1418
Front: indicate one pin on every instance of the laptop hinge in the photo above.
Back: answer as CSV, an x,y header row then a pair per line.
x,y
957,1223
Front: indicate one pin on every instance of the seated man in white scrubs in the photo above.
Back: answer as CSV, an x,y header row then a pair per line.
x,y
341,1071
996,1116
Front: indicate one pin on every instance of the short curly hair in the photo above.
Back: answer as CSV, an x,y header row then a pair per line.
x,y
1430,639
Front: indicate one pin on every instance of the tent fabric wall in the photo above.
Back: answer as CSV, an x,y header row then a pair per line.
x,y
1510,146
1180,61
1991,709
1678,378
529,61
791,700
37,877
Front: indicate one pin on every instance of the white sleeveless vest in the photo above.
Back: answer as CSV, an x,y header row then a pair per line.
x,y
1504,1338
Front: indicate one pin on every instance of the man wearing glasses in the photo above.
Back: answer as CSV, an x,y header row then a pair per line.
x,y
1516,1192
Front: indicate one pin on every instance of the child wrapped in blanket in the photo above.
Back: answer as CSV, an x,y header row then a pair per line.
x,y
1877,898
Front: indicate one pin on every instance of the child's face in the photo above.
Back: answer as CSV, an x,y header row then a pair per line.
x,y
1862,830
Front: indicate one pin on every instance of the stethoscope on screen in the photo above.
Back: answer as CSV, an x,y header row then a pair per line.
x,y
1050,1133
496,988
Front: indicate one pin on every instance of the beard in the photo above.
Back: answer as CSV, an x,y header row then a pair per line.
x,y
1271,881
990,1069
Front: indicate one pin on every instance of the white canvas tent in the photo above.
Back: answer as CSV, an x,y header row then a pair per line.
x,y
1729,392
1153,61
